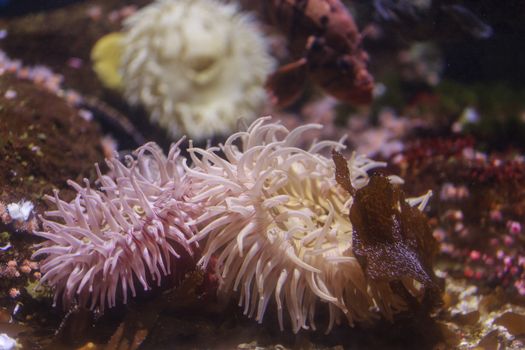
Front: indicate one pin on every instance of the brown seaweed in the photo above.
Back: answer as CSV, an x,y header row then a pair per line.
x,y
391,239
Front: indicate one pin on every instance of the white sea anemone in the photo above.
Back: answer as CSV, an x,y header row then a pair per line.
x,y
123,234
278,225
196,65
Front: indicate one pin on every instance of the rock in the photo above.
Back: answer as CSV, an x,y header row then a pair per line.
x,y
515,323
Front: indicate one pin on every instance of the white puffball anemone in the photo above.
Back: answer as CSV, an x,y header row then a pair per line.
x,y
197,66
277,226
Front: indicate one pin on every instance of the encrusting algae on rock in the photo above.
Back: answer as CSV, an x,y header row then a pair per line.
x,y
270,219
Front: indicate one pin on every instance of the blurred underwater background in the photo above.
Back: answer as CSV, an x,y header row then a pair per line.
x,y
381,206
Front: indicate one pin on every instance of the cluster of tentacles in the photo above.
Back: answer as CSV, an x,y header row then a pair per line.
x,y
284,226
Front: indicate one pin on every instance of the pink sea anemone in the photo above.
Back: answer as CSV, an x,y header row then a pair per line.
x,y
277,224
124,233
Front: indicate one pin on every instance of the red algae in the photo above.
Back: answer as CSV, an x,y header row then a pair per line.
x,y
480,212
